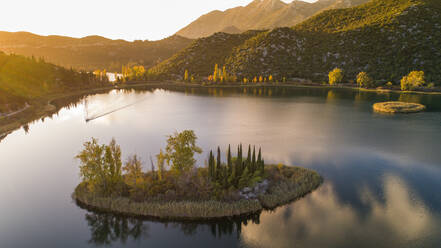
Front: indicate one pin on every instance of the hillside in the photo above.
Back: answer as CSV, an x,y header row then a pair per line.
x,y
200,57
25,79
386,38
260,14
92,52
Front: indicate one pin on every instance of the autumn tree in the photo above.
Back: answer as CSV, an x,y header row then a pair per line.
x,y
363,80
133,172
224,73
161,161
335,76
413,80
186,75
215,73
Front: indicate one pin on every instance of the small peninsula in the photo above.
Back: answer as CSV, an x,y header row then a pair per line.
x,y
398,107
176,189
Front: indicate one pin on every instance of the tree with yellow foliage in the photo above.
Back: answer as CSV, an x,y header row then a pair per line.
x,y
413,80
245,80
255,80
260,79
270,78
224,73
363,80
186,76
215,73
335,76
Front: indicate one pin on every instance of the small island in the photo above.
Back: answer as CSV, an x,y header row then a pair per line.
x,y
176,189
398,107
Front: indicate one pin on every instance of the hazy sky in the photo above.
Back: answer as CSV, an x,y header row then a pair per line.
x,y
116,19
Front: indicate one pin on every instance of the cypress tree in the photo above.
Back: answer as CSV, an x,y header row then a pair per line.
x,y
229,162
253,161
210,165
218,164
239,161
259,157
248,161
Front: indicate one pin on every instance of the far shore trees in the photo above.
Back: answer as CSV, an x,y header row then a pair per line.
x,y
363,80
413,80
335,76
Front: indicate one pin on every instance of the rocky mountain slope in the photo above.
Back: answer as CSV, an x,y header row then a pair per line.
x,y
92,52
386,38
260,14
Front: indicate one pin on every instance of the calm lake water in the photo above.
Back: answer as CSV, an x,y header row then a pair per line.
x,y
382,172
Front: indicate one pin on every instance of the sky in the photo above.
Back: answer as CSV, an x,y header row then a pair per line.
x,y
115,19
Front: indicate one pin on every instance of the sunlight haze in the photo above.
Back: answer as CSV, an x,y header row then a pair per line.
x,y
129,20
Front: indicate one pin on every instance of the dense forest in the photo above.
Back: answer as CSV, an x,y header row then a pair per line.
x,y
24,79
92,52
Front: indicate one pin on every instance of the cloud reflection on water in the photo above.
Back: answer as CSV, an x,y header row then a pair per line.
x,y
322,220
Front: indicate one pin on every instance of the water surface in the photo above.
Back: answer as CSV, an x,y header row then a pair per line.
x,y
382,172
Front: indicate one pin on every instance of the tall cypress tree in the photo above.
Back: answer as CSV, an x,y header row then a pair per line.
x,y
229,162
210,165
218,165
259,160
253,161
239,161
248,161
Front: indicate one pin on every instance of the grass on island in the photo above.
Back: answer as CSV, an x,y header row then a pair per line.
x,y
286,184
398,107
241,185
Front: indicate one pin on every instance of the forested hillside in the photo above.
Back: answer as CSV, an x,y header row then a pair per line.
x,y
200,57
385,38
92,52
24,79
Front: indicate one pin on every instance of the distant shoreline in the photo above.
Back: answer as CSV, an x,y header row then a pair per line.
x,y
39,108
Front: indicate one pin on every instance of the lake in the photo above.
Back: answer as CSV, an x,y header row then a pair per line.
x,y
382,172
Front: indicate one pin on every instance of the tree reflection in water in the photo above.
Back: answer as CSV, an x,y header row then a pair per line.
x,y
107,228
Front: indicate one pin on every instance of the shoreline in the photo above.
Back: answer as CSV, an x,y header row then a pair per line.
x,y
38,108
281,193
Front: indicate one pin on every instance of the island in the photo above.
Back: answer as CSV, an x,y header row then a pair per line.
x,y
176,189
394,107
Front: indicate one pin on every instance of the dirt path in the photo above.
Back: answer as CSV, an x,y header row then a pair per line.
x,y
15,112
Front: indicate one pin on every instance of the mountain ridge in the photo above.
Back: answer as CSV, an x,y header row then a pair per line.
x,y
260,14
385,38
91,52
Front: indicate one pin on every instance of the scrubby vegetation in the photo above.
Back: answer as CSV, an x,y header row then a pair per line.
x,y
384,38
176,188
